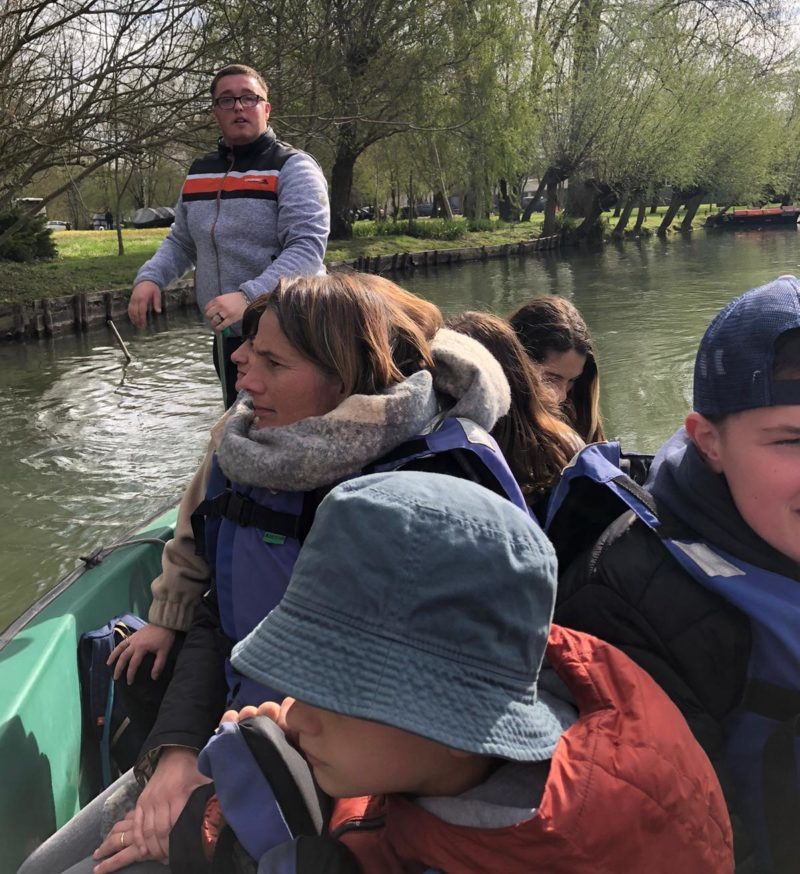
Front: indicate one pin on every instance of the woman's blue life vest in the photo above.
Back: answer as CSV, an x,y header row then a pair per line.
x,y
762,743
251,536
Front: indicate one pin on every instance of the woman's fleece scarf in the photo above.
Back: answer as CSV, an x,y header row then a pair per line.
x,y
466,381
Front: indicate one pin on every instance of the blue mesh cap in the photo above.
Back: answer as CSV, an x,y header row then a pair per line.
x,y
423,602
733,368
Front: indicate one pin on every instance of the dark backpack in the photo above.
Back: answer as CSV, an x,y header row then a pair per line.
x,y
111,740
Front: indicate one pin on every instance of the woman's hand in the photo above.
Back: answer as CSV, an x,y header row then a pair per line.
x,y
118,849
130,652
226,310
163,799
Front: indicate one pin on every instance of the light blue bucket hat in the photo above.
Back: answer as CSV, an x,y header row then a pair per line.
x,y
424,602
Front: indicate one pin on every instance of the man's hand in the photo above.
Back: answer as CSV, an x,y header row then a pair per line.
x,y
144,295
118,850
130,652
226,309
163,799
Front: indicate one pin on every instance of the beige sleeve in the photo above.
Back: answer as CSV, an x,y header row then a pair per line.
x,y
184,576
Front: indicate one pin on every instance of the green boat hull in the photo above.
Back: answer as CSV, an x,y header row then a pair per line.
x,y
42,784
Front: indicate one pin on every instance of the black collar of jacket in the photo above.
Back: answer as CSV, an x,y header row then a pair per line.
x,y
256,147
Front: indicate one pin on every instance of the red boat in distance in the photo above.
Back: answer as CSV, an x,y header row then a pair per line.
x,y
773,216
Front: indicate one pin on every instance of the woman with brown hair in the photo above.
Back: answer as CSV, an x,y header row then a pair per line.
x,y
556,337
535,441
336,373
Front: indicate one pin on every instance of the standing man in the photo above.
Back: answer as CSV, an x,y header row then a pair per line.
x,y
252,211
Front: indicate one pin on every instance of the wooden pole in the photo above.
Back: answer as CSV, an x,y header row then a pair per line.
x,y
110,323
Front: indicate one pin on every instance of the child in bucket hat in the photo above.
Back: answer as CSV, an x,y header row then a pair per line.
x,y
458,730
706,598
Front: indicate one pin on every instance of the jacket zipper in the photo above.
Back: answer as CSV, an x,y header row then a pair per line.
x,y
232,160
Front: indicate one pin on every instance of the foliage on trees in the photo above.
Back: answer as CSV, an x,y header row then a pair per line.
x,y
84,82
409,99
30,241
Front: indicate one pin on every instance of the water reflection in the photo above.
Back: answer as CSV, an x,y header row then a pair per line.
x,y
647,304
92,447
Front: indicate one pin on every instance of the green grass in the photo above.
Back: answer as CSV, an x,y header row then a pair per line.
x,y
88,260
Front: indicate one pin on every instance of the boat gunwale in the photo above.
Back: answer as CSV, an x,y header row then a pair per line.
x,y
133,535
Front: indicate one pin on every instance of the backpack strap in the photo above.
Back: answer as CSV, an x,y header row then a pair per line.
x,y
263,785
593,493
308,855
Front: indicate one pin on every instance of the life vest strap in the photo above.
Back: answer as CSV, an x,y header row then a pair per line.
x,y
770,700
781,795
244,511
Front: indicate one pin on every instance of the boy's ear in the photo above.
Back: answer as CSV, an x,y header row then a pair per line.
x,y
706,437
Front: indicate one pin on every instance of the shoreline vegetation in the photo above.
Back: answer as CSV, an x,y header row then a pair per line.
x,y
87,261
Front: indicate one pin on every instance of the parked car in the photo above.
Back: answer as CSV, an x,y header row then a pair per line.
x,y
55,225
153,217
421,210
539,206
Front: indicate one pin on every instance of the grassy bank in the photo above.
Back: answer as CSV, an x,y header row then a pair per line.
x,y
88,260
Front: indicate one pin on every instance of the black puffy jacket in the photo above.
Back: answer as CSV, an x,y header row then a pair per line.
x,y
628,590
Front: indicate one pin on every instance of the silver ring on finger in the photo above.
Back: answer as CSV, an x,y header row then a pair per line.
x,y
219,317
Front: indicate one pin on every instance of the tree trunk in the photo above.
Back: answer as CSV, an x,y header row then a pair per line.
x,y
692,205
550,209
528,212
676,202
118,219
589,226
654,205
342,183
476,196
442,205
641,216
507,207
624,216
598,198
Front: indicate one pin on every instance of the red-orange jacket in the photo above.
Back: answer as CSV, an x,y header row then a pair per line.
x,y
629,791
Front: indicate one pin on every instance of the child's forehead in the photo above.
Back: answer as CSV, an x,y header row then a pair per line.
x,y
778,419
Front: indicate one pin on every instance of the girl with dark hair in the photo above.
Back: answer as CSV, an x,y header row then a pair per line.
x,y
535,441
556,337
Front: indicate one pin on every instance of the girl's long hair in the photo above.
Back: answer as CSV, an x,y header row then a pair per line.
x,y
535,440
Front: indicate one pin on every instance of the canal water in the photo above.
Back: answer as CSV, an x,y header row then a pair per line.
x,y
91,447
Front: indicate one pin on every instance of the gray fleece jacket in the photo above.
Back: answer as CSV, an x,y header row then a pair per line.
x,y
247,215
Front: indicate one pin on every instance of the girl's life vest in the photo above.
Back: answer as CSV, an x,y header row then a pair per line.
x,y
251,536
762,744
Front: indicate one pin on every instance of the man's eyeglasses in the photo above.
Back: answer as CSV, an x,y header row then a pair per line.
x,y
247,101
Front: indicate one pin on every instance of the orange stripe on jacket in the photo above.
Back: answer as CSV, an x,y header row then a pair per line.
x,y
247,182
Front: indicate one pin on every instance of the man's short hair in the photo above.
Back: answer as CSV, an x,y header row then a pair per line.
x,y
238,70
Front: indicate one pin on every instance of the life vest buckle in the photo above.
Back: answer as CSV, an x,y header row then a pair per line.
x,y
238,509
